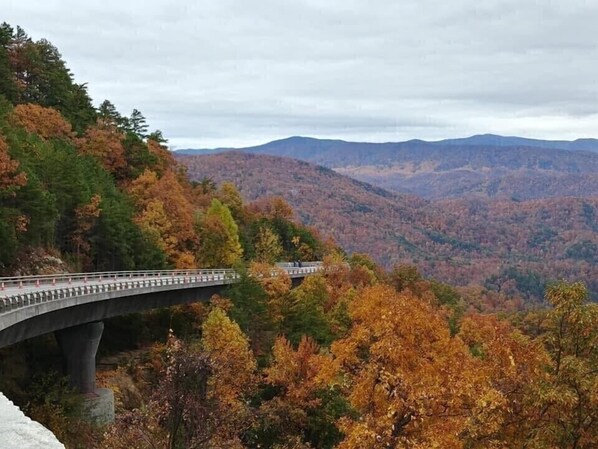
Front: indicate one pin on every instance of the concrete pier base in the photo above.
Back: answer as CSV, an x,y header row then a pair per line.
x,y
98,407
79,345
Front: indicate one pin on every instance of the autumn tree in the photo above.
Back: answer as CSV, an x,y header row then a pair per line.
x,y
219,237
48,123
412,384
516,366
272,208
104,144
569,401
234,375
11,178
231,198
267,246
276,282
303,409
167,214
180,412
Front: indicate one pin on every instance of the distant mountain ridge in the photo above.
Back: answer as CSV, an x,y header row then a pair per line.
x,y
485,166
494,140
585,144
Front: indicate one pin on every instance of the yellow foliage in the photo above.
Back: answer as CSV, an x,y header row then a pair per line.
x,y
276,282
234,364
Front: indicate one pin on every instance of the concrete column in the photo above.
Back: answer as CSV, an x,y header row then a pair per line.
x,y
79,345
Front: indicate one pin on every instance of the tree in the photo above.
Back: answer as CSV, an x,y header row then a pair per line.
x,y
108,116
569,401
234,374
412,384
86,219
516,367
163,202
267,246
157,137
105,145
46,122
8,86
10,177
180,413
207,185
301,408
231,198
155,223
306,315
276,282
219,237
250,311
137,124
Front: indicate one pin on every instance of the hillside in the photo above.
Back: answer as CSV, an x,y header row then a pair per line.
x,y
462,241
481,166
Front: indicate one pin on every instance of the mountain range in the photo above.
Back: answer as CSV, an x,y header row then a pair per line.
x,y
484,166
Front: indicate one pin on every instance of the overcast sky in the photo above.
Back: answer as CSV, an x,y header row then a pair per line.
x,y
240,72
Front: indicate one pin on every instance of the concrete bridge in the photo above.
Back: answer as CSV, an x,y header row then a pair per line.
x,y
74,305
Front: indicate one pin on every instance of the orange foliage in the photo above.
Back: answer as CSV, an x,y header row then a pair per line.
x,y
165,159
104,144
271,207
10,178
48,123
413,384
297,372
165,198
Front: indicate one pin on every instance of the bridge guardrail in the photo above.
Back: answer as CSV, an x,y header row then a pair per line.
x,y
94,283
53,279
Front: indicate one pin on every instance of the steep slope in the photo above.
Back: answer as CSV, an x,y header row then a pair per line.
x,y
481,166
464,241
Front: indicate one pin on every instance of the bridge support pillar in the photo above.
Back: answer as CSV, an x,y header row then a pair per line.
x,y
79,345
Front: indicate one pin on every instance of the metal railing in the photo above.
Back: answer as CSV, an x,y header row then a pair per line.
x,y
24,291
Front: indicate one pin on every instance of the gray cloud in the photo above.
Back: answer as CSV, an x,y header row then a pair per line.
x,y
235,72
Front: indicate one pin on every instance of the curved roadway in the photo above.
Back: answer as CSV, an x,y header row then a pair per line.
x,y
35,305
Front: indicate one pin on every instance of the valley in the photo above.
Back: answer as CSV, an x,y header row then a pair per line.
x,y
511,246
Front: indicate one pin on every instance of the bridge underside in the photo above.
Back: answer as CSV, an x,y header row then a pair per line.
x,y
100,310
79,328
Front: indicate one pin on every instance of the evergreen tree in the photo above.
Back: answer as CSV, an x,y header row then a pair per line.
x,y
137,124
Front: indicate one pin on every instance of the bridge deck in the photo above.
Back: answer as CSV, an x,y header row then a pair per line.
x,y
18,293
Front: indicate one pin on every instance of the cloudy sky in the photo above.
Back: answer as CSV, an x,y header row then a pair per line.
x,y
240,72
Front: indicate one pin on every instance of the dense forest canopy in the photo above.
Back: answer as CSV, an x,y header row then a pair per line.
x,y
356,357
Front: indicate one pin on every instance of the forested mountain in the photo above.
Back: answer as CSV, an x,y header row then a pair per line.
x,y
99,190
481,166
503,244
